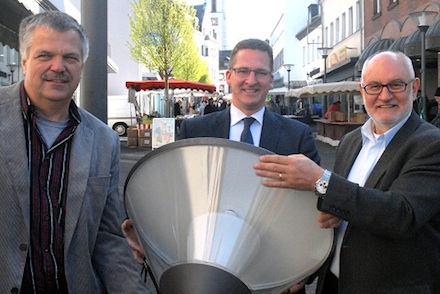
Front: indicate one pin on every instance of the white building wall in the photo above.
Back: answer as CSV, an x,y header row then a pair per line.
x,y
118,38
350,45
283,37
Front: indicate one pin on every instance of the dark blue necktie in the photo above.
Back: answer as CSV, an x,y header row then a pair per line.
x,y
246,135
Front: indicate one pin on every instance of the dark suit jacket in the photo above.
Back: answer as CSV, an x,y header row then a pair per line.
x,y
392,242
280,135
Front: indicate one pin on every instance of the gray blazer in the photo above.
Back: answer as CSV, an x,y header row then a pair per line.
x,y
97,256
280,135
392,242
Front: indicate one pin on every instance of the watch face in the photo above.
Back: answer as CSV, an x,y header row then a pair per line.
x,y
321,186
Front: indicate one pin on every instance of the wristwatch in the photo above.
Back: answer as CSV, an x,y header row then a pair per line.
x,y
322,183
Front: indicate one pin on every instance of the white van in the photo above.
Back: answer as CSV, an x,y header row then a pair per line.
x,y
120,113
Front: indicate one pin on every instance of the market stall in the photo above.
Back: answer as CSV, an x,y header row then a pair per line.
x,y
331,130
151,103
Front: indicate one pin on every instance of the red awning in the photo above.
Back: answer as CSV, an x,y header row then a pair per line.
x,y
174,84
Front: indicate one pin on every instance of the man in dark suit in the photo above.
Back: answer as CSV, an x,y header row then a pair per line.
x,y
250,77
385,187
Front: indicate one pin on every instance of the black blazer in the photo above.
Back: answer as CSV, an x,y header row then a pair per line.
x,y
392,242
280,135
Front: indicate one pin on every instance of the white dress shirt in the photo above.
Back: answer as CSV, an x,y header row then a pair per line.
x,y
237,124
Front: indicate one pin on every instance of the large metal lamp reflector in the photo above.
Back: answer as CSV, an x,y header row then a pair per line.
x,y
207,224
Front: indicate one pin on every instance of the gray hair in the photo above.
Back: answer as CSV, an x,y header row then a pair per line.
x,y
56,20
254,44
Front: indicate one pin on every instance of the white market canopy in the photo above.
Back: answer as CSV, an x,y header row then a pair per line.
x,y
346,87
278,91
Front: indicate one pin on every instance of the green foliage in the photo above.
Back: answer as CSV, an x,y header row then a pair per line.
x,y
195,68
162,34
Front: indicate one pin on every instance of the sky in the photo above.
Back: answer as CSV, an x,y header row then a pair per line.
x,y
249,18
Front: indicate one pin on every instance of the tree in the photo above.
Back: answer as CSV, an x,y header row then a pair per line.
x,y
195,68
162,37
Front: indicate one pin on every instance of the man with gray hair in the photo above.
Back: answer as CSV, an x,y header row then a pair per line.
x,y
385,187
59,166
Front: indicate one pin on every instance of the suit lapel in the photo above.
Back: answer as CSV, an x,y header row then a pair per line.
x,y
221,124
389,155
13,147
271,132
349,151
80,160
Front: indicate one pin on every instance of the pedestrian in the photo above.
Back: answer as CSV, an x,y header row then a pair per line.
x,y
385,187
59,166
436,120
210,107
334,107
250,78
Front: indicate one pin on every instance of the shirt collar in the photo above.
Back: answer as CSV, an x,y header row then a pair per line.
x,y
367,131
237,115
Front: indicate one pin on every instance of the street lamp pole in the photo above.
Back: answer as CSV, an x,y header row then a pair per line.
x,y
12,69
288,67
324,52
423,19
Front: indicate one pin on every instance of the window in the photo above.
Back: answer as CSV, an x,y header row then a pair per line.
x,y
377,7
326,37
2,53
337,31
350,21
343,27
304,55
318,41
309,52
359,15
332,34
392,4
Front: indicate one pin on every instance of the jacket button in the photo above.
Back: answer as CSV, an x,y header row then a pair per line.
x,y
15,291
23,247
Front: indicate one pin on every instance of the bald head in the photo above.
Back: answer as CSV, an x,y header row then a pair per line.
x,y
385,57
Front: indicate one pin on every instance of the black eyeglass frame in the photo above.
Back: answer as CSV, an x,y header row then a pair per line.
x,y
387,85
259,73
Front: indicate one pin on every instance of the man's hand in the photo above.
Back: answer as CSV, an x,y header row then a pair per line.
x,y
294,171
133,241
328,221
295,288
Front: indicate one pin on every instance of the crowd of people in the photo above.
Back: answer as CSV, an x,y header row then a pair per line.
x,y
63,228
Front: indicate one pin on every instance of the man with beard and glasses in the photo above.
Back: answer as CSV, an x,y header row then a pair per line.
x,y
385,187
59,165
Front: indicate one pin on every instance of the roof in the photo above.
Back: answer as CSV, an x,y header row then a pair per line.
x,y
346,87
200,14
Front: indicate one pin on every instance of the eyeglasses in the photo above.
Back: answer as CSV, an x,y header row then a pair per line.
x,y
244,72
393,87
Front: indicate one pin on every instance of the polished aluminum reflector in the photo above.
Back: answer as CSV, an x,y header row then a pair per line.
x,y
207,224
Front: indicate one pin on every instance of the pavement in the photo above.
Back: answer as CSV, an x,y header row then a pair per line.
x,y
131,155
